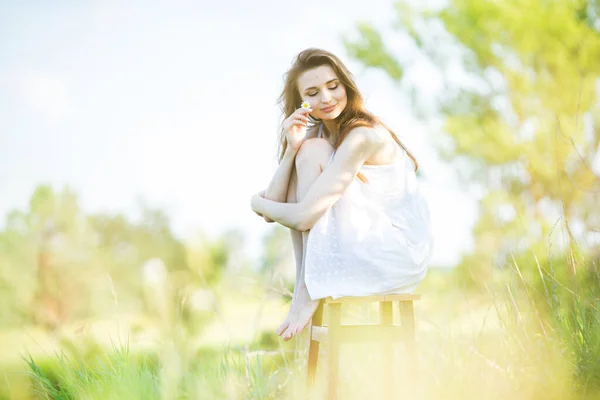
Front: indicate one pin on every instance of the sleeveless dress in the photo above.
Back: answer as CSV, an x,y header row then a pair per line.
x,y
376,239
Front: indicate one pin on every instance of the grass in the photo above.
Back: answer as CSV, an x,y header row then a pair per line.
x,y
532,334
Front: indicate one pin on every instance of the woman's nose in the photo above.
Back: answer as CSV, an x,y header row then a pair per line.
x,y
325,98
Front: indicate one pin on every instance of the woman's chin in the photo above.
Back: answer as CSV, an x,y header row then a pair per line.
x,y
330,116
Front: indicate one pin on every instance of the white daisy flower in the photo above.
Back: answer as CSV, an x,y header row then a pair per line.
x,y
305,105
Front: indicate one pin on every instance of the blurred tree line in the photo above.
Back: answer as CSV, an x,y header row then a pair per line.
x,y
520,111
58,264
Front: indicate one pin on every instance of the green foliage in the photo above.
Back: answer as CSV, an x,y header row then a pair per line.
x,y
115,375
58,264
521,109
541,297
121,374
523,345
372,51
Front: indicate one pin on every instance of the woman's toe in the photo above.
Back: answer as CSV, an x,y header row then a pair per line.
x,y
289,333
282,328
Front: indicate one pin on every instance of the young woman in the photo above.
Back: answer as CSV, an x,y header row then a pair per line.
x,y
347,189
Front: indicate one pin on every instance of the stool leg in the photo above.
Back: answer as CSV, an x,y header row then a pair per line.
x,y
313,347
333,332
386,318
407,317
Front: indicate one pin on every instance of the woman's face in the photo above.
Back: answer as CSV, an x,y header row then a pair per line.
x,y
324,91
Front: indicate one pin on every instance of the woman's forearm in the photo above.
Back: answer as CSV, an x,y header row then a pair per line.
x,y
278,187
287,214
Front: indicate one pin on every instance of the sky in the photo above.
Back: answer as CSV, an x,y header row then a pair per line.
x,y
174,104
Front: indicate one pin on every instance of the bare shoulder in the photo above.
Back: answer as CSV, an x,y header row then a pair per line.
x,y
365,136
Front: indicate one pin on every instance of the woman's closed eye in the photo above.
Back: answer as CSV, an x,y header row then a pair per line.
x,y
331,88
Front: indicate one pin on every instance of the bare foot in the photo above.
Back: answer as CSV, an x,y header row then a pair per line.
x,y
288,318
300,313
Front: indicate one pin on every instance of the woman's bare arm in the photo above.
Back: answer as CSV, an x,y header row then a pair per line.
x,y
278,187
359,145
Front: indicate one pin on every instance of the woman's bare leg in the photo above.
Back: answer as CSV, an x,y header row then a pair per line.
x,y
296,235
309,165
297,244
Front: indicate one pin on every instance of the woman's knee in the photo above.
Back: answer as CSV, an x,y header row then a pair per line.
x,y
314,150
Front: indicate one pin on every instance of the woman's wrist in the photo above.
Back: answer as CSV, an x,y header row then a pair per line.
x,y
289,152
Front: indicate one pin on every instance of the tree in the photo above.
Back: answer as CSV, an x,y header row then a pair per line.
x,y
57,263
525,120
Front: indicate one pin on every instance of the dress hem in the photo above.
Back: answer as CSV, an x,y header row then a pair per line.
x,y
404,289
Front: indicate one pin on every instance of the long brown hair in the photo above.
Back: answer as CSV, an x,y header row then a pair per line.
x,y
353,115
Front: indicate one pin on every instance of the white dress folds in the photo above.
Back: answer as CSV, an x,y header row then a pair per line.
x,y
376,239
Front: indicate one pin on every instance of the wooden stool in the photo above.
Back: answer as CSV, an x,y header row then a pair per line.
x,y
385,332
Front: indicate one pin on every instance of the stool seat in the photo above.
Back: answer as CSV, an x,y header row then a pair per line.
x,y
373,299
386,333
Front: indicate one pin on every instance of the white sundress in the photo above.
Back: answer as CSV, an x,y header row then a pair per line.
x,y
376,239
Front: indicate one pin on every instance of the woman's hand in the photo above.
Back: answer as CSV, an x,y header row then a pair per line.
x,y
253,204
295,127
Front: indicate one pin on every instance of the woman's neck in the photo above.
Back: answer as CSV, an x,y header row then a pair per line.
x,y
331,128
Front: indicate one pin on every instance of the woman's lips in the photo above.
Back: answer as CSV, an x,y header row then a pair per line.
x,y
328,109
